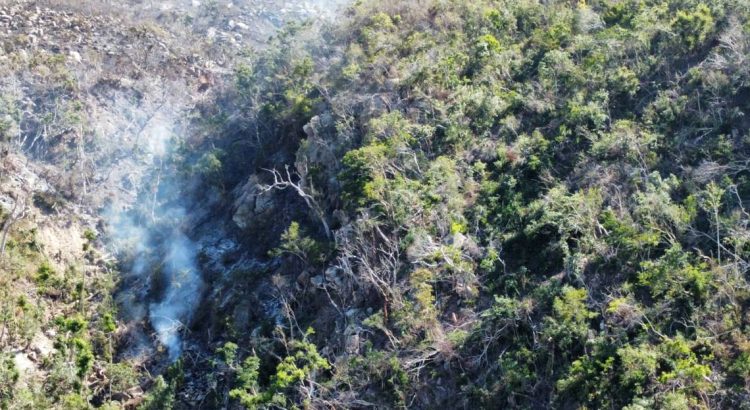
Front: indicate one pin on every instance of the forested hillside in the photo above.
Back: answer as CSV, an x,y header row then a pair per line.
x,y
498,204
459,204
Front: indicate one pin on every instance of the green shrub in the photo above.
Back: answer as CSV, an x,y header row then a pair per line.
x,y
161,396
228,353
621,13
248,392
569,323
293,242
122,376
693,27
685,363
8,378
674,278
588,380
625,82
304,363
361,166
210,166
486,46
423,294
74,401
382,21
639,367
45,272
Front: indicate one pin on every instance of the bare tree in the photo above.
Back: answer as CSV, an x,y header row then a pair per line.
x,y
373,260
285,181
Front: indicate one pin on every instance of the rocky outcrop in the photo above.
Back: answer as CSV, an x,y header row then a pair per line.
x,y
252,205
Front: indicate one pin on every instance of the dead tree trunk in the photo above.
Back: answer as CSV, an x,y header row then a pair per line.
x,y
282,182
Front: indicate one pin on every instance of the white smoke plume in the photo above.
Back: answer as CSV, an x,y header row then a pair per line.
x,y
182,294
162,283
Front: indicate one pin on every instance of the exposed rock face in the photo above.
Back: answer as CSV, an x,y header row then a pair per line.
x,y
252,205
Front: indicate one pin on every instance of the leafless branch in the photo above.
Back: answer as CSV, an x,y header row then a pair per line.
x,y
282,182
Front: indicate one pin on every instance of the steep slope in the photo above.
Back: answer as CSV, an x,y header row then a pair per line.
x,y
437,203
486,204
93,99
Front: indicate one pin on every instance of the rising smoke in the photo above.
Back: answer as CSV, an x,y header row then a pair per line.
x,y
161,281
182,293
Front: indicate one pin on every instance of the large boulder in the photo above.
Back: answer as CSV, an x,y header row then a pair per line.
x,y
253,205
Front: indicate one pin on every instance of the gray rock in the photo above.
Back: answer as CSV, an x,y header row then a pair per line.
x,y
352,343
303,278
252,204
457,239
317,281
75,56
334,275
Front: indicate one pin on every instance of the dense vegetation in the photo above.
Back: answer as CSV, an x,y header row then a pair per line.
x,y
496,204
429,204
